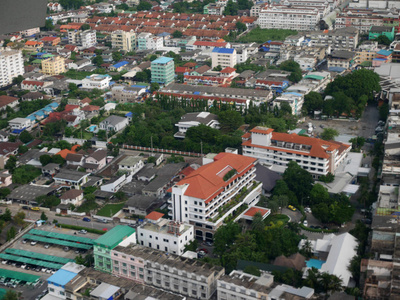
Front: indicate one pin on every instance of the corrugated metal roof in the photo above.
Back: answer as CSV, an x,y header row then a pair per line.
x,y
113,237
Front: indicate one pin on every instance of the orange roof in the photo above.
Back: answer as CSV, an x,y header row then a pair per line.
x,y
65,152
228,70
154,215
253,210
32,43
259,130
207,181
74,147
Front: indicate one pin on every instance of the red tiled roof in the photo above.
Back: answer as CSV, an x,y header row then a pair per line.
x,y
210,44
228,70
180,70
5,100
187,171
207,181
258,130
86,100
90,108
33,82
253,210
49,38
71,194
190,65
33,43
154,215
70,107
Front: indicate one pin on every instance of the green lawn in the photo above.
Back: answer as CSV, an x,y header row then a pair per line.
x,y
276,218
87,206
113,208
259,35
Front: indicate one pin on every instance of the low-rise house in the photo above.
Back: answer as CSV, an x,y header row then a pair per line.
x,y
17,125
127,94
8,101
33,85
120,66
163,234
33,46
195,119
76,160
114,123
80,64
5,178
51,40
96,160
4,136
32,96
9,148
131,164
96,81
72,196
50,169
141,204
70,178
341,59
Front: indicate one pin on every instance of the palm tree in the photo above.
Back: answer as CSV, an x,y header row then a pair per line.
x,y
312,278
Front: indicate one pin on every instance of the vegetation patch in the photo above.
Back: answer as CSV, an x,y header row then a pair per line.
x,y
74,227
110,209
259,35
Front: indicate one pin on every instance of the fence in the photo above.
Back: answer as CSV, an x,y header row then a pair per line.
x,y
148,149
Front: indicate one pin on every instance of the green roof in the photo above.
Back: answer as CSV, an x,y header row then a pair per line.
x,y
311,76
39,256
62,236
56,242
18,275
115,236
3,292
30,261
37,61
366,63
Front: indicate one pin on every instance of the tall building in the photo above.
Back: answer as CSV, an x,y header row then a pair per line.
x,y
11,65
84,39
163,70
119,235
213,192
277,149
147,41
53,66
124,40
223,57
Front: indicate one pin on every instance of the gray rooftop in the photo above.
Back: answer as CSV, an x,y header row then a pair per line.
x,y
70,175
141,201
29,192
130,160
114,120
267,177
201,117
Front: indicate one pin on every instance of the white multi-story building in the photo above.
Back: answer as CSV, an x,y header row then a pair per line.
x,y
147,41
84,39
96,81
289,17
195,119
200,199
224,57
295,100
163,234
11,66
277,149
124,40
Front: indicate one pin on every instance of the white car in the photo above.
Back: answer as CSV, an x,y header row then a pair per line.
x,y
33,243
305,223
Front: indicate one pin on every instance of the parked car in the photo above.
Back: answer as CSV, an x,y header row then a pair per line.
x,y
291,207
33,243
305,223
25,207
47,246
86,219
83,231
66,249
35,208
24,241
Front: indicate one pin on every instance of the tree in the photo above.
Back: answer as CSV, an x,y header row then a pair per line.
x,y
48,25
11,295
253,270
231,9
357,142
318,194
230,120
116,56
143,6
98,60
18,79
218,68
4,192
177,34
11,233
312,101
72,87
11,163
45,159
241,26
383,40
258,222
25,137
224,237
298,180
143,76
19,218
6,217
154,87
329,134
43,216
85,27
120,195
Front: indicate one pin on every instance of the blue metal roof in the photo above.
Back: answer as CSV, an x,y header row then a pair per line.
x,y
53,104
47,109
223,50
139,86
293,93
384,52
39,113
120,64
162,60
61,277
164,34
129,114
31,117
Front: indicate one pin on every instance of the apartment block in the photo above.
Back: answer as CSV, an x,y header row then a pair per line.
x,y
342,59
163,70
84,39
170,272
11,66
362,19
96,81
289,17
340,39
124,40
163,234
53,66
147,41
103,246
276,150
224,57
202,198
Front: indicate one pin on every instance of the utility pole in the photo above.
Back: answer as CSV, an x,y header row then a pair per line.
x,y
151,142
201,148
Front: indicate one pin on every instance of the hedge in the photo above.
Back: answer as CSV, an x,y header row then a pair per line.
x,y
318,230
74,227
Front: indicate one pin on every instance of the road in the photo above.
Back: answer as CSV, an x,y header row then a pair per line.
x,y
51,215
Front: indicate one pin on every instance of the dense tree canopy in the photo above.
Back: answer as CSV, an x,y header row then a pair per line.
x,y
299,181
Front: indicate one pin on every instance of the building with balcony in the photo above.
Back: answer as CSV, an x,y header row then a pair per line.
x,y
209,194
295,101
102,247
163,70
96,81
11,66
163,234
342,59
224,57
124,40
276,150
84,39
166,271
377,31
195,119
147,41
339,39
53,66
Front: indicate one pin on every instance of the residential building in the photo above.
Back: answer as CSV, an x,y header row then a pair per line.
x,y
276,150
54,6
5,178
163,70
382,57
366,52
124,40
147,41
377,31
53,66
79,64
206,45
342,59
223,57
96,81
200,199
8,101
183,276
71,179
84,39
131,164
295,101
362,19
195,119
102,246
11,65
213,9
114,123
51,40
339,39
19,124
72,196
32,46
56,283
289,17
34,85
163,234
127,94
96,160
